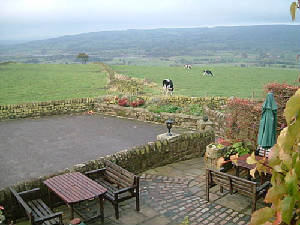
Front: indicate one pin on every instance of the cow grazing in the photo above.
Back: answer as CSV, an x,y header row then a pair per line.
x,y
188,66
207,72
168,86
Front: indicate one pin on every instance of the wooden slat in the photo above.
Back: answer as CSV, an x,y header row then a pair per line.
x,y
120,169
74,187
48,210
38,213
115,179
128,181
234,181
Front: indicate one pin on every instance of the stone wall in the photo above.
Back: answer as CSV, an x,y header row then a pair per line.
x,y
142,114
136,160
99,105
38,109
218,119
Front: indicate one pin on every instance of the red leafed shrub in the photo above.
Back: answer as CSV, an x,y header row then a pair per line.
x,y
242,120
137,102
133,102
282,93
123,102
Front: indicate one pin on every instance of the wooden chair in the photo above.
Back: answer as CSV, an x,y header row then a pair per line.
x,y
37,211
120,184
233,183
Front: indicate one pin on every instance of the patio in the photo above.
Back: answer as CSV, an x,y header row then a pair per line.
x,y
172,194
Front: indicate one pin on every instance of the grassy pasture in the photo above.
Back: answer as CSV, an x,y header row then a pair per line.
x,y
228,81
21,83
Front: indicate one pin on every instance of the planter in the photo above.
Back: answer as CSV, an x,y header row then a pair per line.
x,y
212,154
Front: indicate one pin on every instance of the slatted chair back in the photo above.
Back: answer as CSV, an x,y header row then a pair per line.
x,y
118,175
231,183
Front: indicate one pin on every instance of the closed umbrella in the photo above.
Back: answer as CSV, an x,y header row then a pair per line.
x,y
268,123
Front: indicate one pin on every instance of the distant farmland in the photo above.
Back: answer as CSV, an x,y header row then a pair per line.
x,y
228,81
21,83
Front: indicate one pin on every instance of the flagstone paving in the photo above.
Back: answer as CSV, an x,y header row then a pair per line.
x,y
172,194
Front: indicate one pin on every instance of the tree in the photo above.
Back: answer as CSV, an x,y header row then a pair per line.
x,y
83,57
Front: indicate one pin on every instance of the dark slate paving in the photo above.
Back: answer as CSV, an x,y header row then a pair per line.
x,y
35,147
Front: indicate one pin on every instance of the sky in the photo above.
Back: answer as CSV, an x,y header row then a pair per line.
x,y
41,19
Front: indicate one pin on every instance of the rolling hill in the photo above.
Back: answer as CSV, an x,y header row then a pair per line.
x,y
265,41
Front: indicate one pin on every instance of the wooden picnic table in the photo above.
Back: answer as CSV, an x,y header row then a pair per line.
x,y
242,164
74,188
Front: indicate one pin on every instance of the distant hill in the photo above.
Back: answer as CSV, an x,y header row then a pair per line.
x,y
265,39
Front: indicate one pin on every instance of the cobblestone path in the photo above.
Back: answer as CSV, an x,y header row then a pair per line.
x,y
178,198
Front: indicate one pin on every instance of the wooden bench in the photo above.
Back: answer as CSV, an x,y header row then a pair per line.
x,y
233,183
37,211
120,184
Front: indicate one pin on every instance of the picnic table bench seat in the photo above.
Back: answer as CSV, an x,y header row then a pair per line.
x,y
234,183
120,184
36,209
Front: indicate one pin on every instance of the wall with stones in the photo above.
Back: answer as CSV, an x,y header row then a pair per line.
x,y
136,160
48,108
101,106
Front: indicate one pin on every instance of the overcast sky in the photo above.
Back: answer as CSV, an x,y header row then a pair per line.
x,y
39,19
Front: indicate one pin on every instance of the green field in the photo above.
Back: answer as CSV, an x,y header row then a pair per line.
x,y
21,83
228,81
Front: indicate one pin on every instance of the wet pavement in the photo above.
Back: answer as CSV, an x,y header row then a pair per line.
x,y
30,148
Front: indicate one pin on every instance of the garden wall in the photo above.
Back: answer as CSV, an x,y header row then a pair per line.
x,y
136,160
108,106
49,108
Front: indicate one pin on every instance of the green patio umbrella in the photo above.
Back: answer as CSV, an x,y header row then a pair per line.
x,y
268,123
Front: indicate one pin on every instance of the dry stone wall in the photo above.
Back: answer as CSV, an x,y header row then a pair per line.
x,y
38,109
98,105
136,160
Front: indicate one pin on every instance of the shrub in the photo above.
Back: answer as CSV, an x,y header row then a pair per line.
x,y
123,102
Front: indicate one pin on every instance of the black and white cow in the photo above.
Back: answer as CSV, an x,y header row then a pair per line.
x,y
188,66
207,72
168,86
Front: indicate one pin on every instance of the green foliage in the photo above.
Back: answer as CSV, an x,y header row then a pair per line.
x,y
20,83
293,8
236,148
228,81
83,57
195,110
164,108
284,163
185,221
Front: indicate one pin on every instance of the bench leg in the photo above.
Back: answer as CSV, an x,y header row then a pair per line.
x,y
253,203
137,200
207,185
72,211
221,189
101,208
117,210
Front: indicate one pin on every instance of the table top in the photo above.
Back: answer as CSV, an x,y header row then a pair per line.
x,y
74,187
242,161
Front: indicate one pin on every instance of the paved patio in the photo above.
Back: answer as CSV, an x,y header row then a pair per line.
x,y
175,193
